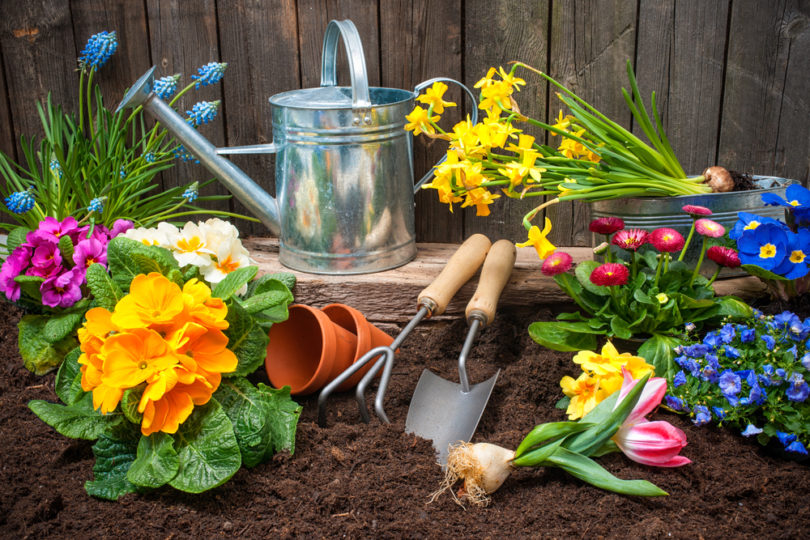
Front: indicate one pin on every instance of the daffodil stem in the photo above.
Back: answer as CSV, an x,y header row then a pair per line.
x,y
527,219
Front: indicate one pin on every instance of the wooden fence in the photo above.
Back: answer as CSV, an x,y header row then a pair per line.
x,y
732,77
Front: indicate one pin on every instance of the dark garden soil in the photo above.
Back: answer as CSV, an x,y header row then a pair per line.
x,y
356,480
742,181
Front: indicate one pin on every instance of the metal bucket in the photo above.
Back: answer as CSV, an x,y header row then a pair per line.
x,y
650,213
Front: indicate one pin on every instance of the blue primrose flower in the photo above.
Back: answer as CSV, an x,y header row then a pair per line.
x,y
797,197
675,403
719,412
210,73
748,222
202,112
100,47
20,202
797,447
679,379
731,352
730,383
751,430
165,87
798,391
795,264
766,246
702,415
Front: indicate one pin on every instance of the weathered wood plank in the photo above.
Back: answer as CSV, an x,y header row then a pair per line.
x,y
590,44
413,33
679,56
40,56
765,105
183,37
496,33
131,58
390,296
260,45
7,137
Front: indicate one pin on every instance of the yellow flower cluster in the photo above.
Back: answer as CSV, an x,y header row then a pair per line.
x,y
601,376
572,147
161,339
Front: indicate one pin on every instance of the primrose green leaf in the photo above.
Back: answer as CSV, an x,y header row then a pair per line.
x,y
30,287
272,304
583,273
68,383
758,271
59,326
286,278
207,450
156,462
66,248
642,297
562,403
589,471
234,281
659,352
564,336
264,419
130,401
115,452
549,431
40,355
77,421
127,258
246,339
105,291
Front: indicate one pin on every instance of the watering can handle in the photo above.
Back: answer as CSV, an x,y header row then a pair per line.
x,y
474,120
361,104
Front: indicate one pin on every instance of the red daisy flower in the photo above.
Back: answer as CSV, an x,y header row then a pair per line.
x,y
707,227
695,210
723,256
606,225
610,274
666,240
557,263
630,239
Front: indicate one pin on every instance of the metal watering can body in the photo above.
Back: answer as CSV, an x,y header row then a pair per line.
x,y
344,167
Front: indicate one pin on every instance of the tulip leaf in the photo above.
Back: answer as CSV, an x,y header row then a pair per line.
x,y
535,457
575,316
564,336
156,462
234,281
583,273
104,290
77,421
115,452
207,450
68,382
591,472
548,431
246,338
658,351
39,354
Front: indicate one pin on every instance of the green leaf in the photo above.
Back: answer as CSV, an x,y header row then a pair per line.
x,y
286,278
731,306
563,403
234,281
758,271
130,401
642,297
66,248
547,432
576,317
246,339
272,302
589,471
127,258
156,462
40,355
77,421
59,326
620,328
105,291
264,419
68,383
658,351
583,273
257,285
564,336
207,449
16,237
115,452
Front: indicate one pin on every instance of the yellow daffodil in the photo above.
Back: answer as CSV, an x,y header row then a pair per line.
x,y
511,79
486,80
420,122
433,97
563,122
537,238
481,198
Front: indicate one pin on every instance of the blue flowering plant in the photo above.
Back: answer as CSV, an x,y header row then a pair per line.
x,y
751,377
778,252
98,166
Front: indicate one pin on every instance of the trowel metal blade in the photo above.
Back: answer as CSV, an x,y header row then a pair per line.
x,y
441,411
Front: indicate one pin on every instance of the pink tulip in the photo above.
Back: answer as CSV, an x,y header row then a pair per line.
x,y
651,443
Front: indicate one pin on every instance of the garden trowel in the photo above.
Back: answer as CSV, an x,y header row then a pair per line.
x,y
448,412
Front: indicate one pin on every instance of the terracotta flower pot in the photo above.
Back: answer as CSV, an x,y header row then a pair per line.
x,y
308,350
368,337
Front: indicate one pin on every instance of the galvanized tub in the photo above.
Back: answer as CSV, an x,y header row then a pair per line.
x,y
650,213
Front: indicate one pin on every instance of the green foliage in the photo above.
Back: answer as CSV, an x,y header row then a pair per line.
x,y
68,383
156,462
115,453
246,338
39,354
105,291
127,258
234,281
77,421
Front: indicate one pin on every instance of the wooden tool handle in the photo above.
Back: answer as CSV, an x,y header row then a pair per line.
x,y
459,269
497,269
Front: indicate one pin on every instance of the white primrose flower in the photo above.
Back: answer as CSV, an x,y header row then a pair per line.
x,y
153,236
190,246
218,232
229,257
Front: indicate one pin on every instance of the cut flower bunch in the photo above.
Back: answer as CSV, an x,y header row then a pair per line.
x,y
752,377
650,297
159,378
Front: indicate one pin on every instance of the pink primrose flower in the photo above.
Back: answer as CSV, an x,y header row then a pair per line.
x,y
666,240
557,263
46,259
13,266
51,230
120,227
90,251
707,227
62,290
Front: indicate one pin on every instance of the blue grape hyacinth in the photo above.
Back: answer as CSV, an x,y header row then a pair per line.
x,y
96,205
210,73
192,192
165,87
202,112
100,47
20,202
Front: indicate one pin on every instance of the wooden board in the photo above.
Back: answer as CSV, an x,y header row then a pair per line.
x,y
390,296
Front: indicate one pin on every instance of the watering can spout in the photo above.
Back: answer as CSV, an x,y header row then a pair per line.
x,y
248,192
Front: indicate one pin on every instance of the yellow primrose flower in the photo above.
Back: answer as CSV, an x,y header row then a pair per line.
x,y
201,307
179,390
433,97
152,300
584,393
537,238
610,362
134,356
420,122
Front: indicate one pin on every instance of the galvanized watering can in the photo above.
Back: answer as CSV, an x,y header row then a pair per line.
x,y
344,166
